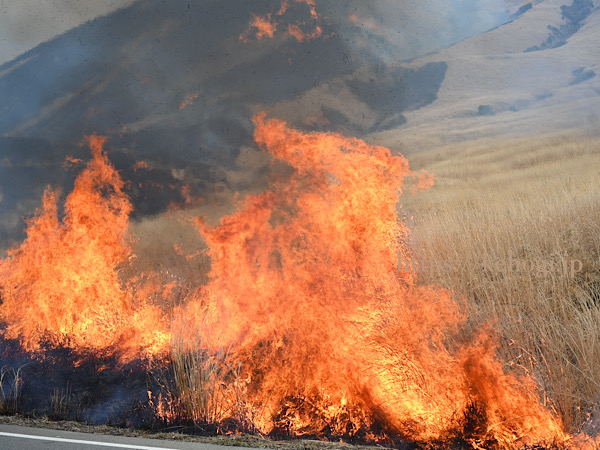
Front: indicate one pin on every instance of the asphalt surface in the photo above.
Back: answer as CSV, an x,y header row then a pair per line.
x,y
14,437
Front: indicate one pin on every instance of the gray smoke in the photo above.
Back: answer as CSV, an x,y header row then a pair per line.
x,y
27,23
125,75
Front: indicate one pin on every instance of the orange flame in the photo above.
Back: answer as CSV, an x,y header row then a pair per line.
x,y
139,165
263,25
305,287
304,292
266,26
189,100
61,285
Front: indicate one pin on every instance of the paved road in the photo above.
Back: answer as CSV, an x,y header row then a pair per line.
x,y
14,437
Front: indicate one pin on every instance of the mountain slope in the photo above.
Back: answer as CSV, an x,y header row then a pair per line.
x,y
496,86
175,84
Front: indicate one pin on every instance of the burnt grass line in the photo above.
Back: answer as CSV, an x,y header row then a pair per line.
x,y
96,393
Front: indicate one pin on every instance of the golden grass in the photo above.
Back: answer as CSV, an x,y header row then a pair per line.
x,y
60,404
529,199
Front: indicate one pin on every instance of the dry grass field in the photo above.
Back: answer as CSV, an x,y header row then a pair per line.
x,y
513,227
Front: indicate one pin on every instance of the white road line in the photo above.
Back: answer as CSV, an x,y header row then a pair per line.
x,y
79,441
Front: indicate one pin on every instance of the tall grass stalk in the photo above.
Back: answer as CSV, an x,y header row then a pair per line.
x,y
60,404
10,389
535,200
202,384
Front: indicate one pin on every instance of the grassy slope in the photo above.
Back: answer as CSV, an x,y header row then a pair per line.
x,y
529,92
535,199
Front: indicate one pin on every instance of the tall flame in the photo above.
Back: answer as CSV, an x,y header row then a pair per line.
x,y
61,286
305,287
304,293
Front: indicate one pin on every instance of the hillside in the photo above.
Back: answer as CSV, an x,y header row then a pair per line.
x,y
175,85
516,80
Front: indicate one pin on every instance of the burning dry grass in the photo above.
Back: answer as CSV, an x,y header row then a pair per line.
x,y
499,204
304,325
200,385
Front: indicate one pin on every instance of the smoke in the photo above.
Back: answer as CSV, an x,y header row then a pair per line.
x,y
28,23
398,30
125,75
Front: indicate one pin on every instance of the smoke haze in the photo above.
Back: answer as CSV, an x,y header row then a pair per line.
x,y
173,85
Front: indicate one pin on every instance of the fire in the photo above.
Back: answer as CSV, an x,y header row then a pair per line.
x,y
266,26
61,286
305,288
301,36
263,25
189,100
139,165
306,326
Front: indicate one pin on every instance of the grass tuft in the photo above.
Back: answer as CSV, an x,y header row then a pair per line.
x,y
201,385
10,389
